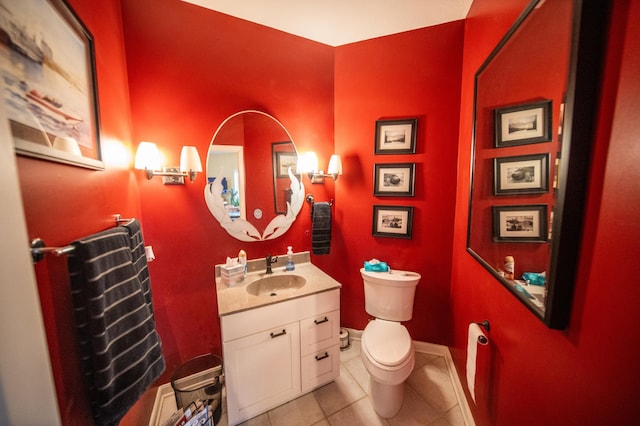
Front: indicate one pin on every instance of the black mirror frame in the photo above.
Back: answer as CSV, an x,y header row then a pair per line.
x,y
590,22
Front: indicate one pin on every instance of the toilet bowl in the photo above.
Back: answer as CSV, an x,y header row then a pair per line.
x,y
386,347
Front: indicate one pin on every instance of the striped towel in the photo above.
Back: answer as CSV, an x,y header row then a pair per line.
x,y
321,228
119,346
139,259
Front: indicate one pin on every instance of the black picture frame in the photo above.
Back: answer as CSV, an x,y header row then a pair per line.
x,y
523,124
522,174
392,221
284,160
394,180
51,95
396,136
520,223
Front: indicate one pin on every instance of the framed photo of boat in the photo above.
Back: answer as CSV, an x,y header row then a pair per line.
x,y
48,71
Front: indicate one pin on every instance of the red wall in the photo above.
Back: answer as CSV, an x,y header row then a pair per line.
x,y
189,69
63,203
531,375
413,74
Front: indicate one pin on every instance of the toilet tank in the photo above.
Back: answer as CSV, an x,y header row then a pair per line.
x,y
389,295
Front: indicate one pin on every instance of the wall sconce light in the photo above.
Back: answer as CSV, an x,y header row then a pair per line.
x,y
309,165
148,159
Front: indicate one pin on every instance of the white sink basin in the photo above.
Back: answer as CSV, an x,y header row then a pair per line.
x,y
273,285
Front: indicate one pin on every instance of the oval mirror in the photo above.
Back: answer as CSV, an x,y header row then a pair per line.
x,y
253,199
535,100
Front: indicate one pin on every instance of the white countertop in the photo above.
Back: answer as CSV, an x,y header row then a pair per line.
x,y
236,299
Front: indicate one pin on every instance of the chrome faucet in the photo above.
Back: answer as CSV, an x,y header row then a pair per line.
x,y
270,259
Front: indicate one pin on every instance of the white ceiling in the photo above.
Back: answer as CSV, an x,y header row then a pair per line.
x,y
338,22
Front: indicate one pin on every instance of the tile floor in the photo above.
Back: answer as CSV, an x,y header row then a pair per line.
x,y
429,398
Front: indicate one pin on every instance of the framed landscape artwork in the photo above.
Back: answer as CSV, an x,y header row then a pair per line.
x,y
523,124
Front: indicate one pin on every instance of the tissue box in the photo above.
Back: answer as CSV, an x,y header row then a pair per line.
x,y
231,275
231,270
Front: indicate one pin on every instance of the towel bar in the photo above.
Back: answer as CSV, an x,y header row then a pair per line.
x,y
310,200
38,248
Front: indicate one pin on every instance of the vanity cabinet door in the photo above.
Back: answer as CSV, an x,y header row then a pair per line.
x,y
262,371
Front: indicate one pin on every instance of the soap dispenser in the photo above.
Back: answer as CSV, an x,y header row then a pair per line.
x,y
290,266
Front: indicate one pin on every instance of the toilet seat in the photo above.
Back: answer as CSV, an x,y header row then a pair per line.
x,y
387,344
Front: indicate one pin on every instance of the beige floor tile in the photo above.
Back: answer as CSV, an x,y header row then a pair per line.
x,y
414,411
423,359
435,386
340,393
441,363
360,413
357,370
301,411
351,353
261,420
452,417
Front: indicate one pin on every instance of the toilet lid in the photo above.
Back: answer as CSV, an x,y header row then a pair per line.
x,y
387,342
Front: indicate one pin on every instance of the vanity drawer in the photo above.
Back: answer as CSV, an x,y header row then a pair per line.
x,y
319,332
320,368
254,320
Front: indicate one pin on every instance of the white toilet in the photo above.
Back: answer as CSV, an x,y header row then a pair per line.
x,y
386,347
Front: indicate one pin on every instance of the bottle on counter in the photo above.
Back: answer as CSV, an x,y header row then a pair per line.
x,y
509,267
242,259
290,265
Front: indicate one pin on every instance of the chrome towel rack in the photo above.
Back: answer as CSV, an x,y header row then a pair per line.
x,y
38,247
311,200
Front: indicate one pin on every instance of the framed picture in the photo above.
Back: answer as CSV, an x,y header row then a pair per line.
x,y
523,124
526,223
396,136
50,89
283,161
397,179
524,174
392,221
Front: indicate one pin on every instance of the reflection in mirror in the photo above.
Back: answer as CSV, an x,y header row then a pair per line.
x,y
527,159
257,188
226,162
284,158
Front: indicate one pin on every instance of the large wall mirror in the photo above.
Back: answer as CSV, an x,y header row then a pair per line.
x,y
534,114
253,189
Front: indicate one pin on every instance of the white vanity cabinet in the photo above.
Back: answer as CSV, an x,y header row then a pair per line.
x,y
275,353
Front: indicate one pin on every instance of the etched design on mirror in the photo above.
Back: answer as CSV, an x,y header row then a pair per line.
x,y
242,229
252,133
